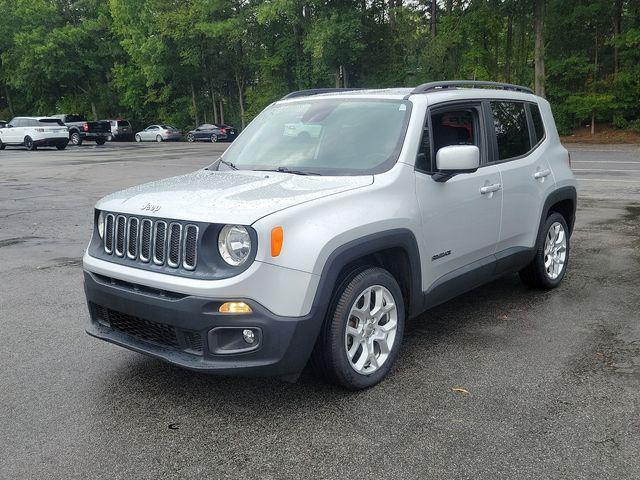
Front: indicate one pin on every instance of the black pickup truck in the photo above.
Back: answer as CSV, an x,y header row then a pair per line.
x,y
80,129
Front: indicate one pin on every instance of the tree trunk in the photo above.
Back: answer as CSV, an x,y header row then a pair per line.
x,y
195,107
9,104
538,27
509,49
434,10
213,102
93,111
593,122
221,112
617,27
240,85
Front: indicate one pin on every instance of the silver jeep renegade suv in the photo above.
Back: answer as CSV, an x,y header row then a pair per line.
x,y
333,218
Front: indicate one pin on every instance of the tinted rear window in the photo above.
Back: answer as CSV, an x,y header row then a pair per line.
x,y
512,132
123,123
74,118
50,121
538,124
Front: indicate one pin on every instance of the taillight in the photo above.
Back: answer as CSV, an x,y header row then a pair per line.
x,y
85,127
223,130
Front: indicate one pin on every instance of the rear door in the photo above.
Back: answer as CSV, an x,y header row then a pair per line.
x,y
461,224
526,173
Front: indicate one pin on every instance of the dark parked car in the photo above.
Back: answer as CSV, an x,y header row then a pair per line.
x,y
80,129
120,130
211,132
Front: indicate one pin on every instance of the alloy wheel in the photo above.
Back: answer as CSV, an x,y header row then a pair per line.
x,y
555,250
371,329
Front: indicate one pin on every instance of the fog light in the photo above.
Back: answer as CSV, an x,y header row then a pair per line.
x,y
234,307
248,336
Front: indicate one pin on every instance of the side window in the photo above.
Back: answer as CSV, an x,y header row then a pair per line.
x,y
512,131
538,124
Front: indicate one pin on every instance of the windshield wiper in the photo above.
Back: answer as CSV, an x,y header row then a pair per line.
x,y
228,164
288,170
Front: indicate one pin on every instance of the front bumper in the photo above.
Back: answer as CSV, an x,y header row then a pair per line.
x,y
177,328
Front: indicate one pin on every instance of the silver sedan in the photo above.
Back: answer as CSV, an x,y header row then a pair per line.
x,y
158,133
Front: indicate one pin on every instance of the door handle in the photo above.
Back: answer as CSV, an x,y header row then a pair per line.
x,y
541,173
490,188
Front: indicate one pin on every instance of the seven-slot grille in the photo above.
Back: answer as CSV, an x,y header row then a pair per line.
x,y
173,244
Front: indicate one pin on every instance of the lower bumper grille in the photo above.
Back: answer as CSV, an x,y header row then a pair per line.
x,y
168,336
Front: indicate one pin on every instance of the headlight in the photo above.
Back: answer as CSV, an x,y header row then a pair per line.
x,y
101,225
234,244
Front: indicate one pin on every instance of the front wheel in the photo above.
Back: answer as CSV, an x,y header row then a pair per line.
x,y
214,138
75,138
362,333
2,145
191,138
548,267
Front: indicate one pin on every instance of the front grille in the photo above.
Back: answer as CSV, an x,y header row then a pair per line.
x,y
174,245
148,331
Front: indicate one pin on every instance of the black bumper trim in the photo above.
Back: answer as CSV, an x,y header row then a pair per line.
x,y
286,344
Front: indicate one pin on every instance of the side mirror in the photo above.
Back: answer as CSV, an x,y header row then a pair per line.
x,y
456,159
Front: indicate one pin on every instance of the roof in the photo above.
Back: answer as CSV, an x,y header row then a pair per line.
x,y
436,91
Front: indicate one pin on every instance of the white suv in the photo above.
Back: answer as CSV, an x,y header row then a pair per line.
x,y
34,132
331,220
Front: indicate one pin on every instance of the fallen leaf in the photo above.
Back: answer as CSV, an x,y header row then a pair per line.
x,y
460,390
503,317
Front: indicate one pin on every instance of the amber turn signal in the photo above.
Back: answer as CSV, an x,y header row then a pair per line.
x,y
277,239
234,307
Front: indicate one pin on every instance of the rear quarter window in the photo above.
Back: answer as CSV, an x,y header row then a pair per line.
x,y
512,132
538,124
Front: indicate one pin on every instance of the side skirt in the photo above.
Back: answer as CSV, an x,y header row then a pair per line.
x,y
476,274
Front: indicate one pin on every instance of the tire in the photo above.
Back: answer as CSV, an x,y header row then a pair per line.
x,y
548,267
2,145
191,138
61,146
28,142
339,355
138,138
109,138
214,138
75,138
100,141
158,138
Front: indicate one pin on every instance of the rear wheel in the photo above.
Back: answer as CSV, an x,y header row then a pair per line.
x,y
138,138
29,143
362,333
2,145
158,138
548,267
100,141
214,138
61,146
75,138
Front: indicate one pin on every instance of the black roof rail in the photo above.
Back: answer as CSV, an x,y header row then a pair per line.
x,y
434,86
317,91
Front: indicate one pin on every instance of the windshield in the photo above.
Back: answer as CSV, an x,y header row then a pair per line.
x,y
323,136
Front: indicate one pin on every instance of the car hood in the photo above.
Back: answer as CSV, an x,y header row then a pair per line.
x,y
240,197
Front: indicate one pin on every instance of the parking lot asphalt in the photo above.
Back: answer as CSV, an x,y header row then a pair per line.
x,y
552,379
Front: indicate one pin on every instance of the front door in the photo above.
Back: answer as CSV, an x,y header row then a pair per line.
x,y
460,217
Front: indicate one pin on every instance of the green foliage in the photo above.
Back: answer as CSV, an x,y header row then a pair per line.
x,y
190,60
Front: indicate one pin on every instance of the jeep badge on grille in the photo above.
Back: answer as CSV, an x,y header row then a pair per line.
x,y
150,207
